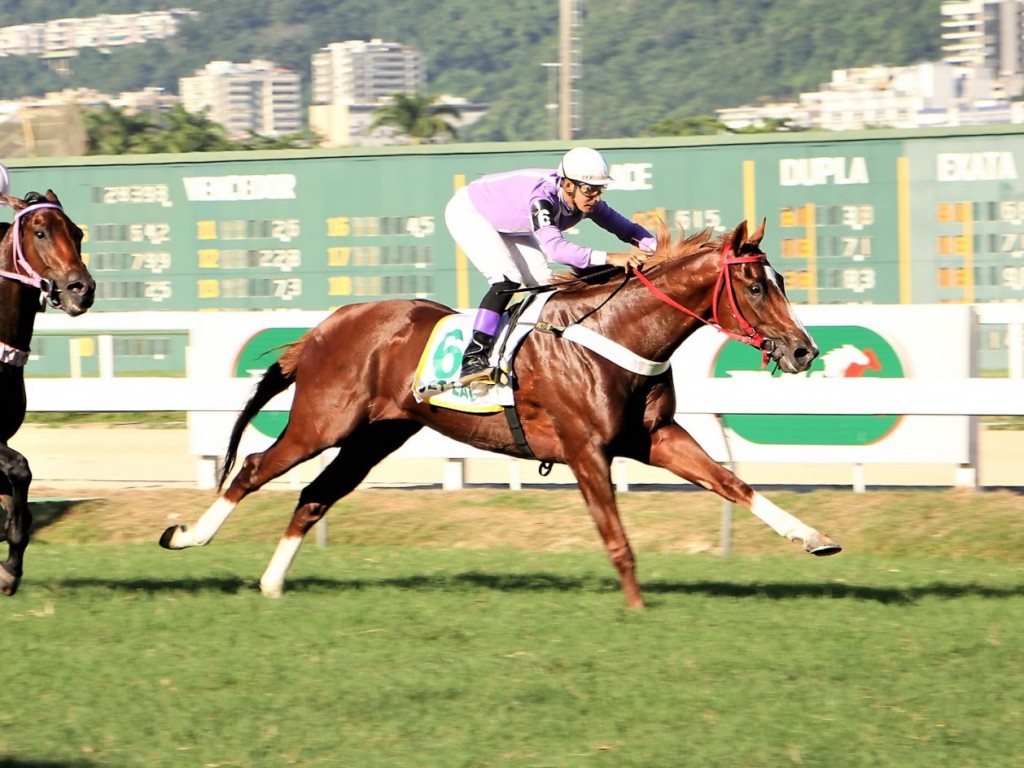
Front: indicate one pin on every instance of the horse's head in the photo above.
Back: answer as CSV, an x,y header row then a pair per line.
x,y
45,250
751,303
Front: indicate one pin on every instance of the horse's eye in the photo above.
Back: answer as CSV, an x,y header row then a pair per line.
x,y
40,234
756,289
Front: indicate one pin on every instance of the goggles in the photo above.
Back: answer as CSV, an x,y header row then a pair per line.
x,y
589,191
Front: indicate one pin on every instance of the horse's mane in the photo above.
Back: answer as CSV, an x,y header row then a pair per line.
x,y
684,247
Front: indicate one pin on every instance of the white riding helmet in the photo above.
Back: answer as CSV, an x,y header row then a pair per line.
x,y
5,181
586,165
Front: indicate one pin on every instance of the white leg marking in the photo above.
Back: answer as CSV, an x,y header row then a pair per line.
x,y
206,527
272,581
779,520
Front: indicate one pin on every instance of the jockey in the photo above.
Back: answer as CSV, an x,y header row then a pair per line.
x,y
510,225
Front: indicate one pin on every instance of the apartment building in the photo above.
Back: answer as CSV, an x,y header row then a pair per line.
x,y
981,72
922,96
352,79
986,33
260,97
59,36
982,33
365,72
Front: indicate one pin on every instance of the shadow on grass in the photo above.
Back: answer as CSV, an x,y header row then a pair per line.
x,y
547,582
14,762
46,512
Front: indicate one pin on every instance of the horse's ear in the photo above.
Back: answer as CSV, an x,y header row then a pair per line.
x,y
52,197
15,202
739,236
756,238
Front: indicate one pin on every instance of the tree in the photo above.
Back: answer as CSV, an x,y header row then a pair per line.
x,y
114,132
111,131
301,140
419,117
182,131
702,125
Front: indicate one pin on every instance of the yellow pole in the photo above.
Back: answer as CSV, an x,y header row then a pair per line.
x,y
461,262
812,255
749,208
903,228
26,127
967,213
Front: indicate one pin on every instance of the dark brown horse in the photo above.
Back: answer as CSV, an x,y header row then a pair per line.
x,y
353,375
40,261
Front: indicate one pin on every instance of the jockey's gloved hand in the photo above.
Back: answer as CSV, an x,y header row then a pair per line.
x,y
648,244
627,260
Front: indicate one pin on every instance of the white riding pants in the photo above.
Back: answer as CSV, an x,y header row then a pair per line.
x,y
496,255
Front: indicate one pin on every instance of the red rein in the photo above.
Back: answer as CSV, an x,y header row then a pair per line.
x,y
724,283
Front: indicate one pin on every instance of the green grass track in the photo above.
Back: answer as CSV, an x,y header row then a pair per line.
x,y
127,655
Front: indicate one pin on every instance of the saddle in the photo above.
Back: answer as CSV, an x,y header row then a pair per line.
x,y
436,379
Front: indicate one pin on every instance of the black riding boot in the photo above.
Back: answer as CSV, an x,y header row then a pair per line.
x,y
476,366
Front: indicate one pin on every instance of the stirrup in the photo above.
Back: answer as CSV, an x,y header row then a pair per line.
x,y
483,376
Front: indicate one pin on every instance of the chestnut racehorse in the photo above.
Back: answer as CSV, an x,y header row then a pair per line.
x,y
353,376
40,261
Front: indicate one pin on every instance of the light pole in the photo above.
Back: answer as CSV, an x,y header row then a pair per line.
x,y
570,56
552,92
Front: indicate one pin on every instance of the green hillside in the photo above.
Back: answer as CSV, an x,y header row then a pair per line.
x,y
643,60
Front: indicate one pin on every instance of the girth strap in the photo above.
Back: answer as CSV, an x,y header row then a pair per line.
x,y
516,426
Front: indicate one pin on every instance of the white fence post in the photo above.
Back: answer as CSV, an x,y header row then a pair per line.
x,y
105,351
454,474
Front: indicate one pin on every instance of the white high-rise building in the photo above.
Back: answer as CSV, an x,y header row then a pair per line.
x,y
354,78
984,33
361,72
259,97
104,31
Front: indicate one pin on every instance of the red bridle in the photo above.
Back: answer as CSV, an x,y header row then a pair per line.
x,y
724,283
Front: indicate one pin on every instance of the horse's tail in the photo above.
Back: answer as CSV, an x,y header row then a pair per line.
x,y
275,380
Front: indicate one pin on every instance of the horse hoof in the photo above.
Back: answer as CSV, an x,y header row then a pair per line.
x,y
167,539
821,545
8,582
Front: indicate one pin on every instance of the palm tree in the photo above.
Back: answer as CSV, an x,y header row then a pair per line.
x,y
179,130
112,131
419,117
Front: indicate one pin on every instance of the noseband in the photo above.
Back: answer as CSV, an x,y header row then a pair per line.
x,y
27,275
723,284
